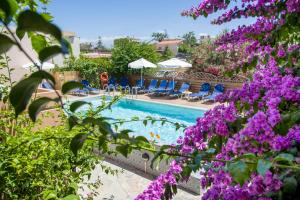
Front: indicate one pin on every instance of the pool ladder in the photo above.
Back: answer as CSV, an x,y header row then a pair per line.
x,y
107,91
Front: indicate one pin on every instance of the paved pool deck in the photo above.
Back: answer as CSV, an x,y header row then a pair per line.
x,y
158,99
127,184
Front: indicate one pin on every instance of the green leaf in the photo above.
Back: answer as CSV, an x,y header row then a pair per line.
x,y
49,194
31,21
186,172
5,43
21,93
158,154
263,166
104,127
211,151
199,158
44,75
47,16
239,171
141,139
72,121
284,157
77,104
71,197
66,47
36,106
8,8
145,122
124,149
38,42
70,85
290,185
77,142
5,9
48,52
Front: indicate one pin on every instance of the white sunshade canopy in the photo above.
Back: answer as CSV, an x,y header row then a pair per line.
x,y
141,63
174,63
45,65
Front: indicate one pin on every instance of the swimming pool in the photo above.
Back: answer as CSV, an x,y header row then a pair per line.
x,y
125,109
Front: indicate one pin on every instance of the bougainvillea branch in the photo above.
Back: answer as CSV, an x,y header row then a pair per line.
x,y
248,146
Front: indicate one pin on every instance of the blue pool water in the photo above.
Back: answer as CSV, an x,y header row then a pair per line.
x,y
125,109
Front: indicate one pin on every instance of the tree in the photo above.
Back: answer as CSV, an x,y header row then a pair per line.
x,y
247,147
190,39
205,55
99,45
189,42
86,47
166,54
127,50
159,36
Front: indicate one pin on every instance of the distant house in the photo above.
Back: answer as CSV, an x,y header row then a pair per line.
x,y
204,37
18,59
171,44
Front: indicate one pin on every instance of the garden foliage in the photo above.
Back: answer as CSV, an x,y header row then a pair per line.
x,y
248,146
89,68
127,50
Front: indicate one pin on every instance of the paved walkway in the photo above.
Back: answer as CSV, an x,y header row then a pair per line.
x,y
159,99
126,185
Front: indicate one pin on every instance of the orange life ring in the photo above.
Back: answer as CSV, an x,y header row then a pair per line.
x,y
104,79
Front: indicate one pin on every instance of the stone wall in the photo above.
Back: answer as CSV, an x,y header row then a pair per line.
x,y
62,77
135,160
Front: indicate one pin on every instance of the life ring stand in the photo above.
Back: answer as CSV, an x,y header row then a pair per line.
x,y
104,79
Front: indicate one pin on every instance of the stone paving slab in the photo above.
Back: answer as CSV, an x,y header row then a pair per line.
x,y
126,185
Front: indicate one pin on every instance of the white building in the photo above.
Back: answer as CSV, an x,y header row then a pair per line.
x,y
204,36
171,44
17,58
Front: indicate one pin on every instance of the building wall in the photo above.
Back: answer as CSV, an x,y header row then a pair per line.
x,y
172,47
17,59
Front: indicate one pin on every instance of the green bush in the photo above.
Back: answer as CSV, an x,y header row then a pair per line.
x,y
89,69
40,164
127,50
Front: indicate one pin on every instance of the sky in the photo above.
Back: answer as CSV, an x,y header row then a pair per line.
x,y
112,19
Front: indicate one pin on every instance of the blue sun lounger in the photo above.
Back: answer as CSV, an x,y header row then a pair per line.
x,y
184,87
124,83
219,89
86,85
80,92
204,91
139,84
112,84
162,87
46,85
170,87
151,87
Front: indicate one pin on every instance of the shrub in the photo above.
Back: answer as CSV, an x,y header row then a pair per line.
x,y
89,69
39,164
248,146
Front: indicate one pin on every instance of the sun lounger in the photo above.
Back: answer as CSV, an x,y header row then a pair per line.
x,y
204,91
91,90
184,87
46,85
139,84
112,84
151,87
162,87
124,83
219,89
170,87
